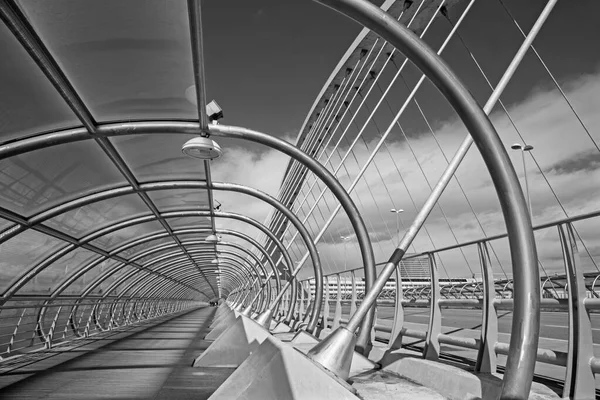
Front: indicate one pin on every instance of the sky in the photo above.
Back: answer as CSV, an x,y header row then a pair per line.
x,y
289,70
266,61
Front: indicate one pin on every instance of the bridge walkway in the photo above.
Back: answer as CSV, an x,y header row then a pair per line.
x,y
152,363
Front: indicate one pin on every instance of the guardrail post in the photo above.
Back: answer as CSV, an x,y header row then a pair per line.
x,y
131,305
14,334
353,300
486,356
67,324
395,341
326,303
337,316
579,378
432,344
309,304
86,331
52,328
301,307
111,313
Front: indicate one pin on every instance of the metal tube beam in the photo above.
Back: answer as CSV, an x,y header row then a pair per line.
x,y
338,191
525,333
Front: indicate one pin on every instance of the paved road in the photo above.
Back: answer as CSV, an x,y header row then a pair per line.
x,y
554,325
467,323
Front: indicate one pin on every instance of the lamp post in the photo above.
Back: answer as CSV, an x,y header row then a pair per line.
x,y
524,148
397,212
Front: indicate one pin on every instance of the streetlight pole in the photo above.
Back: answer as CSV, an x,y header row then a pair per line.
x,y
397,212
524,148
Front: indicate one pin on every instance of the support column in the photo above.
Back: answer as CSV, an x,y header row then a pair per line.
x,y
326,303
395,341
353,300
486,356
579,378
432,344
337,316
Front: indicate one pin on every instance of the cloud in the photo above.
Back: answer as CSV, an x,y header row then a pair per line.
x,y
262,170
411,165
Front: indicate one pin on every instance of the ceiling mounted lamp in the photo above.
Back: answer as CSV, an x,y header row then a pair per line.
x,y
215,261
212,239
202,147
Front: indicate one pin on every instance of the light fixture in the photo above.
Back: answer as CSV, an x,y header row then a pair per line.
x,y
398,211
519,146
202,147
212,239
215,261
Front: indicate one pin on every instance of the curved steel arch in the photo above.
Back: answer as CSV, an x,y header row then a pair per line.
x,y
255,258
132,278
152,284
125,277
157,280
129,128
166,185
264,253
525,333
173,214
32,272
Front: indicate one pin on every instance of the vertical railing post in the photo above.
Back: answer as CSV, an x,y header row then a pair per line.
x,y
337,316
294,301
486,356
301,307
432,344
86,331
579,378
286,303
326,303
49,338
130,305
309,303
353,299
398,322
111,314
66,330
34,332
14,334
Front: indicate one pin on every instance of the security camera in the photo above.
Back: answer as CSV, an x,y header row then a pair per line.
x,y
213,111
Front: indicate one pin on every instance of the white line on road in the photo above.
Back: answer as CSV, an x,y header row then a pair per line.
x,y
562,326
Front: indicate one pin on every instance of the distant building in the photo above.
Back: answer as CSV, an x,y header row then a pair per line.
x,y
415,272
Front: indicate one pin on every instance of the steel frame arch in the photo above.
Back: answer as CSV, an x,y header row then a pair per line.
x,y
156,280
125,190
123,280
524,336
518,283
172,214
50,260
166,185
77,134
173,267
154,283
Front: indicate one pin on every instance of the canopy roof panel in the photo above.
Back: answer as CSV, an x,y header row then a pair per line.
x,y
139,69
84,216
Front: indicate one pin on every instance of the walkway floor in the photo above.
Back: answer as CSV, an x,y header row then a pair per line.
x,y
154,363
